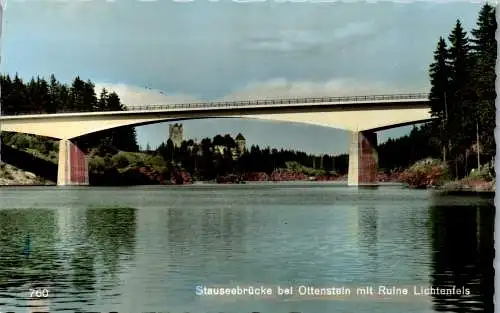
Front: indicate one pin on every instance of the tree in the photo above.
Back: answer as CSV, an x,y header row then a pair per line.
x,y
77,95
124,138
229,141
218,140
113,102
462,116
483,42
65,99
54,99
484,49
18,97
6,95
440,80
170,151
89,96
102,103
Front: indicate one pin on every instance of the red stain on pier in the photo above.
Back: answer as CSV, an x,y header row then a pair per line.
x,y
368,158
78,165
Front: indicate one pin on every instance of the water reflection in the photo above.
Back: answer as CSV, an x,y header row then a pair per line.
x,y
83,271
27,247
206,236
224,229
462,241
367,238
367,229
94,249
111,233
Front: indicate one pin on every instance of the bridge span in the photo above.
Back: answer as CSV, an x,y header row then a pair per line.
x,y
363,116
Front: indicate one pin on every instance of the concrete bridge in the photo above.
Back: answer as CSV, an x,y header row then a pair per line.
x,y
363,116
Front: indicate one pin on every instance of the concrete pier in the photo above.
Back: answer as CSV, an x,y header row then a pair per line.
x,y
73,165
363,159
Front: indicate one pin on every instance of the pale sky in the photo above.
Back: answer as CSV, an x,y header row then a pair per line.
x,y
212,50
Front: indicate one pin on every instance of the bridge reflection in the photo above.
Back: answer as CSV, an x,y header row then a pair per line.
x,y
368,230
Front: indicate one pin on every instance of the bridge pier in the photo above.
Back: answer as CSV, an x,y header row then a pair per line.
x,y
73,165
363,159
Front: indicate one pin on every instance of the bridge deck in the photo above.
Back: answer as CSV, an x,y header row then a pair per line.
x,y
250,104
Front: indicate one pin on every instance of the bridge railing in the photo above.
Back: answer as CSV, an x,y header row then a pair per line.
x,y
265,102
270,102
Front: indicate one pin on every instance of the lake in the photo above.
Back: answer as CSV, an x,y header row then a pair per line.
x,y
309,248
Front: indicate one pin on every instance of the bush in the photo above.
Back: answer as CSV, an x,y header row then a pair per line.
x,y
425,173
96,164
483,174
120,160
20,141
293,166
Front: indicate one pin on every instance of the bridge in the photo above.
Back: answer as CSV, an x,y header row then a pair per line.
x,y
363,116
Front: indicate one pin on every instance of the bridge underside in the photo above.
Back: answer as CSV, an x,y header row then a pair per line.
x,y
363,162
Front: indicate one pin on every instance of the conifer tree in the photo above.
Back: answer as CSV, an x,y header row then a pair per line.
x,y
54,99
484,48
461,113
102,102
440,80
76,95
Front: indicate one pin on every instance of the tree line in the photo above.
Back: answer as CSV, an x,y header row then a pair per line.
x,y
462,97
203,160
463,94
400,153
38,96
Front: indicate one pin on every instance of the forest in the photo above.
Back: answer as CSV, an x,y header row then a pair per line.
x,y
462,96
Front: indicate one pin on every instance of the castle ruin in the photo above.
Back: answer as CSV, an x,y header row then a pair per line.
x,y
240,144
176,134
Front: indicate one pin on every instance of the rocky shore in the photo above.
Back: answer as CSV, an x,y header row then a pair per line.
x,y
13,176
276,176
425,174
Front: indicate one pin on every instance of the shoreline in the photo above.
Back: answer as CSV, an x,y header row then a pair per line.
x,y
423,175
440,189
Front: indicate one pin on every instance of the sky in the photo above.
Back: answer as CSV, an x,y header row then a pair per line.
x,y
155,52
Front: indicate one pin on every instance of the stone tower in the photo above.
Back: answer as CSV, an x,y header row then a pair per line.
x,y
175,134
240,143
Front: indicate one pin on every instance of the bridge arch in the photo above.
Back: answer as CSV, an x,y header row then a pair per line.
x,y
74,125
362,119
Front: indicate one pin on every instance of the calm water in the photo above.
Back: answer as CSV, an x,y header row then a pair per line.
x,y
145,249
